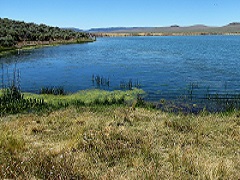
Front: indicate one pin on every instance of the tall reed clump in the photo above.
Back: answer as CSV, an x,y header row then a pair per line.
x,y
12,101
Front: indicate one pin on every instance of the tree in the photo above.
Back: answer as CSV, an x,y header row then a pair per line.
x,y
12,32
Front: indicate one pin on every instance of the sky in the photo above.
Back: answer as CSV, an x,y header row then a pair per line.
x,y
86,14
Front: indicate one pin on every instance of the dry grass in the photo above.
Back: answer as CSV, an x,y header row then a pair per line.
x,y
112,142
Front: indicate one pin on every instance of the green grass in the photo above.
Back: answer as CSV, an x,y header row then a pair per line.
x,y
12,101
87,96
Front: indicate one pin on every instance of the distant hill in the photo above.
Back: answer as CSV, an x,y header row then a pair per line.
x,y
234,24
230,28
111,29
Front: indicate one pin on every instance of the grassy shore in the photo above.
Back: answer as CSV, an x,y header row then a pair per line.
x,y
117,141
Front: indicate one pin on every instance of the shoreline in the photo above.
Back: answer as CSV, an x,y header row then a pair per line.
x,y
39,44
132,34
132,97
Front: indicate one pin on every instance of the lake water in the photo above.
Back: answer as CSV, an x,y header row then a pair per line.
x,y
165,67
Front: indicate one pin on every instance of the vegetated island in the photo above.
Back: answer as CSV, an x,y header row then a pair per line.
x,y
174,30
18,34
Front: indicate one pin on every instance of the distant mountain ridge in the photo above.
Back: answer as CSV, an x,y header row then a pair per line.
x,y
110,29
233,27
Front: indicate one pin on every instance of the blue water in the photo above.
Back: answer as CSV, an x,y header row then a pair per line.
x,y
165,67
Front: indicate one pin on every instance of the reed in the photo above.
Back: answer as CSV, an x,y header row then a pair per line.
x,y
53,90
129,85
100,81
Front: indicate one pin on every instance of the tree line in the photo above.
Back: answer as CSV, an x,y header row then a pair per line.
x,y
12,32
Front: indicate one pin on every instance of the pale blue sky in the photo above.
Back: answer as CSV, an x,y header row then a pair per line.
x,y
87,14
